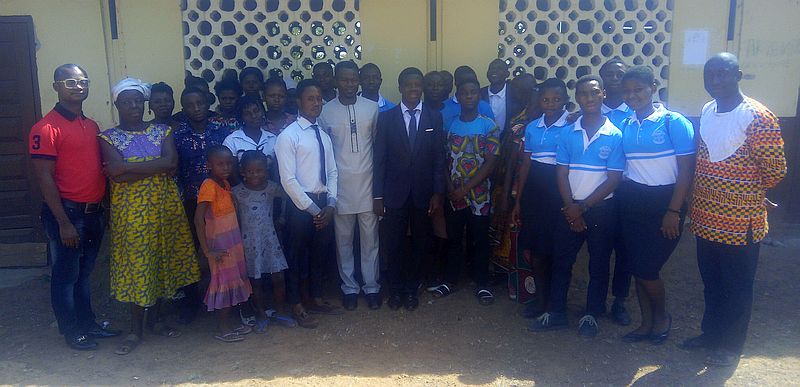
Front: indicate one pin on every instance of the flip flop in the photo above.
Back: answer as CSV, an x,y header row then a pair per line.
x,y
242,330
230,337
284,320
442,291
161,329
485,297
128,345
261,326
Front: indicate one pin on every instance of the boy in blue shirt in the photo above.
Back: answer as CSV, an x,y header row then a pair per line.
x,y
472,148
452,108
590,162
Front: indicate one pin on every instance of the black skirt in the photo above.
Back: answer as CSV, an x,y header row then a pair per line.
x,y
641,211
540,209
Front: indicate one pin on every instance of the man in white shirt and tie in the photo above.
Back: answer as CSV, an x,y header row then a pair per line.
x,y
309,177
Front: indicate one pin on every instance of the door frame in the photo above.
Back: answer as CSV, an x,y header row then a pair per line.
x,y
26,22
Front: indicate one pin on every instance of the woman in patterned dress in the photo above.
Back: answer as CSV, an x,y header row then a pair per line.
x,y
152,254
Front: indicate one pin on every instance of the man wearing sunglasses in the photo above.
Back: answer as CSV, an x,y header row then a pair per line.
x,y
68,167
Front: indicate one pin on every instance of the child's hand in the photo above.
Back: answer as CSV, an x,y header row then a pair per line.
x,y
578,225
216,255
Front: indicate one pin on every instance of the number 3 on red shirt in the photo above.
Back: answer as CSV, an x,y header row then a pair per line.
x,y
37,142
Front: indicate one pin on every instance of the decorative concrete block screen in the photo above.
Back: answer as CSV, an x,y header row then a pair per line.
x,y
282,37
567,39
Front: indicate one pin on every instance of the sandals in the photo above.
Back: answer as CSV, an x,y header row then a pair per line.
x,y
230,337
305,320
324,308
161,329
128,345
485,297
242,330
442,291
284,320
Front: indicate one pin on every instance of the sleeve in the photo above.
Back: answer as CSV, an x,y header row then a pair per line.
x,y
526,139
287,169
493,140
332,172
43,142
206,192
485,109
767,148
681,133
273,189
616,160
229,143
562,150
379,156
440,155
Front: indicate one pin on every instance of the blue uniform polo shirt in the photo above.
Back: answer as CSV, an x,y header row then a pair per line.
x,y
590,159
651,148
451,110
617,114
541,141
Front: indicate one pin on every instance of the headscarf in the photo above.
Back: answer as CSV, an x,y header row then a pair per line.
x,y
131,84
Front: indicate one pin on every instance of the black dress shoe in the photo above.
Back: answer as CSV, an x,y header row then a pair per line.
x,y
81,342
660,338
395,302
695,343
412,302
374,301
350,301
100,332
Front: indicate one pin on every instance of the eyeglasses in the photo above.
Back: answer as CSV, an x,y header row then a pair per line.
x,y
72,83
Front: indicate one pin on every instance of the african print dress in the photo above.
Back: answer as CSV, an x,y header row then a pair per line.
x,y
229,283
152,253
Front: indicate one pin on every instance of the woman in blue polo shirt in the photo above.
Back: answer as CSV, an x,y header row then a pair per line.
x,y
538,207
659,150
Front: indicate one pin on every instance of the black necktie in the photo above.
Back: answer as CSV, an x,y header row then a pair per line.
x,y
412,126
322,175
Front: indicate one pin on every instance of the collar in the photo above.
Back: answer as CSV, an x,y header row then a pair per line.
x,y
561,121
657,114
66,113
501,94
453,98
622,107
405,109
305,123
239,133
605,129
381,101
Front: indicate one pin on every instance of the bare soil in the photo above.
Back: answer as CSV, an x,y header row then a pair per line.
x,y
452,341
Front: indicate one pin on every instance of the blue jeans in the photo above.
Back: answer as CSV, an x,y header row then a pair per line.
x,y
69,283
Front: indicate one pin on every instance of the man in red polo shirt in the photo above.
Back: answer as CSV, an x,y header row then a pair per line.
x,y
66,158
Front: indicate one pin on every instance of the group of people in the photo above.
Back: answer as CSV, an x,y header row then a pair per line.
x,y
278,182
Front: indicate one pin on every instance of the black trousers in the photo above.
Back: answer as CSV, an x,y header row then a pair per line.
x,y
308,252
478,228
599,237
404,269
728,274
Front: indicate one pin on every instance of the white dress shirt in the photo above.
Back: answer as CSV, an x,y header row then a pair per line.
x,y
298,156
498,104
407,115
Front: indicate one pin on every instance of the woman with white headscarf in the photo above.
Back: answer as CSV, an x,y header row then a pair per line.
x,y
152,254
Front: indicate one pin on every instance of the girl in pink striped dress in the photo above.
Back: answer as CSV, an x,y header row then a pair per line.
x,y
221,242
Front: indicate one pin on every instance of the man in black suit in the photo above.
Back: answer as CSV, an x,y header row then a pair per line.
x,y
408,183
498,94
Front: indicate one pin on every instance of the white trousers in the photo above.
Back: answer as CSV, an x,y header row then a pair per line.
x,y
344,227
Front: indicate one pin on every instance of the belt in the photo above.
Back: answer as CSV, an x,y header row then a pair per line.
x,y
86,208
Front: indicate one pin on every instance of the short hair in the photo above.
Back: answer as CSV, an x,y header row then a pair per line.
x,y
247,71
464,71
216,149
161,87
246,101
321,65
193,90
345,65
274,81
553,83
407,73
58,74
305,84
642,74
228,85
250,156
468,81
230,74
588,78
193,81
614,60
369,66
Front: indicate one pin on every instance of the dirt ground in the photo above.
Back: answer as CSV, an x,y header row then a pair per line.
x,y
452,341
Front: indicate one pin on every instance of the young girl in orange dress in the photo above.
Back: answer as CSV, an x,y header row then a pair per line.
x,y
222,245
